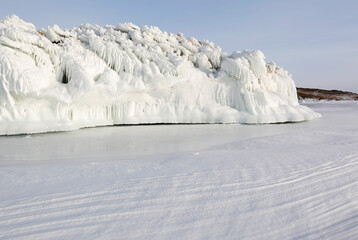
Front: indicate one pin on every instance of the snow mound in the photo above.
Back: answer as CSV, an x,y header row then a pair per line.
x,y
56,79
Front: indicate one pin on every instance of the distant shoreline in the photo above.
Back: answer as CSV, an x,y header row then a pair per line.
x,y
321,94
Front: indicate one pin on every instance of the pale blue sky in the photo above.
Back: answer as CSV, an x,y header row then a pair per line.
x,y
315,40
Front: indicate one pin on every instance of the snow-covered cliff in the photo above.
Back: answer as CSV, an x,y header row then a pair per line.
x,y
55,79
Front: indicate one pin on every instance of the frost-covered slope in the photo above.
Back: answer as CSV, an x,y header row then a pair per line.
x,y
89,76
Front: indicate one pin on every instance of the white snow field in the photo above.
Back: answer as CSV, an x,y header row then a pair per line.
x,y
222,181
56,80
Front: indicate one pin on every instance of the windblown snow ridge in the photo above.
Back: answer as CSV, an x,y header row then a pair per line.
x,y
55,79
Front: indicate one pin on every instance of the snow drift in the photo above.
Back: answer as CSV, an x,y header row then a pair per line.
x,y
55,79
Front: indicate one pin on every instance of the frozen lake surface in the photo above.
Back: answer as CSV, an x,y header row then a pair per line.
x,y
284,181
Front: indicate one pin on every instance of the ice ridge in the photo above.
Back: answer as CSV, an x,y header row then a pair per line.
x,y
55,79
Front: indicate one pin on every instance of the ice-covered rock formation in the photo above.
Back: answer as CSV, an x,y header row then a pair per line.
x,y
55,79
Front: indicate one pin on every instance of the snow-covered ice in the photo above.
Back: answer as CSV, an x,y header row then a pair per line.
x,y
281,181
57,79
